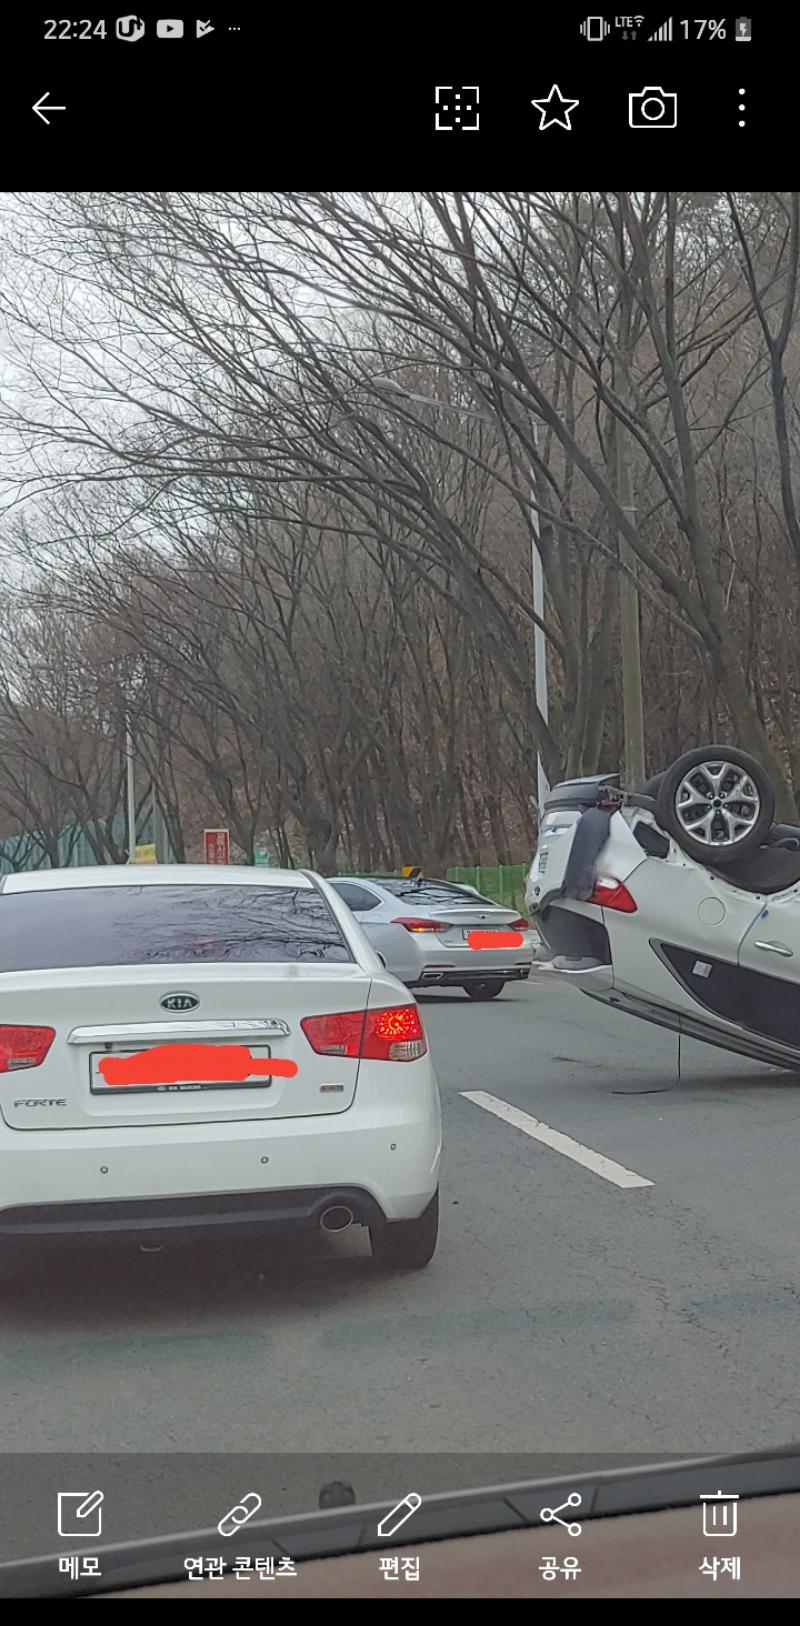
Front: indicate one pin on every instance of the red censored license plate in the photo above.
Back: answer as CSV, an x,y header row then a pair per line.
x,y
179,1067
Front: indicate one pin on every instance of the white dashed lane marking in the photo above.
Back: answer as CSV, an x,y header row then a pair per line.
x,y
607,1169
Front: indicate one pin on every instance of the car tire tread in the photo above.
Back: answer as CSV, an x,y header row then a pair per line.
x,y
488,988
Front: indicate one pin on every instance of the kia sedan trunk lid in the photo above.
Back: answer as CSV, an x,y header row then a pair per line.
x,y
170,1003
118,1014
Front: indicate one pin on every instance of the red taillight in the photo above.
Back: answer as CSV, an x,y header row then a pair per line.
x,y
613,895
520,925
412,924
24,1047
338,1035
392,1033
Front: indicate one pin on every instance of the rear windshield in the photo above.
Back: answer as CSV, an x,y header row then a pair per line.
x,y
432,893
146,925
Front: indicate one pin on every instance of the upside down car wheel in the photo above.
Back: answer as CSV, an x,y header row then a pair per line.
x,y
717,803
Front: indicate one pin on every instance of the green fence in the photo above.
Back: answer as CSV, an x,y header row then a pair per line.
x,y
24,852
504,883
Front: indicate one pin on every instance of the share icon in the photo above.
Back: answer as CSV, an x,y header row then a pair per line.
x,y
549,1515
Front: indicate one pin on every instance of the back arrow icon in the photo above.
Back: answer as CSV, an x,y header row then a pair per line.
x,y
41,108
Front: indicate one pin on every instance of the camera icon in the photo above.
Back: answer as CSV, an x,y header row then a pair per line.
x,y
652,109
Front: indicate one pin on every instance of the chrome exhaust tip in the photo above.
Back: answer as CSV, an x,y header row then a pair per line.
x,y
336,1218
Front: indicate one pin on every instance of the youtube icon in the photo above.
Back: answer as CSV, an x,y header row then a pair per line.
x,y
169,28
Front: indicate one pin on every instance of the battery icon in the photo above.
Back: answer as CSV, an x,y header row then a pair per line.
x,y
744,29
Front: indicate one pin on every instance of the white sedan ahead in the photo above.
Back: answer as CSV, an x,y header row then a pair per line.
x,y
190,1049
427,930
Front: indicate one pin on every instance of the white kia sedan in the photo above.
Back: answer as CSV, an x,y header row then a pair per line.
x,y
197,1049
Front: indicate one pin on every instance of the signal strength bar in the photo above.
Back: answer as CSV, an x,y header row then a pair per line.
x,y
664,32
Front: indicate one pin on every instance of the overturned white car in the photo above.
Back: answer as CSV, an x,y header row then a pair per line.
x,y
680,903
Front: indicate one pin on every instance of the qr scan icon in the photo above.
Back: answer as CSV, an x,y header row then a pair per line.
x,y
457,107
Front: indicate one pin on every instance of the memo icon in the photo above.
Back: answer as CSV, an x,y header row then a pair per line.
x,y
80,1513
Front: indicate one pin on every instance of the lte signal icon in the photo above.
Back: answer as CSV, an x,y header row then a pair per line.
x,y
719,1514
595,28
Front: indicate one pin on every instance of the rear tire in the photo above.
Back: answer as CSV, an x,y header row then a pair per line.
x,y
689,794
407,1244
489,989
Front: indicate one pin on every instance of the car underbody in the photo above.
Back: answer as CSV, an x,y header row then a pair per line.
x,y
707,947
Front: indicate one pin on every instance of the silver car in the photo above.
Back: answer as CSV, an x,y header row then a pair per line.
x,y
425,929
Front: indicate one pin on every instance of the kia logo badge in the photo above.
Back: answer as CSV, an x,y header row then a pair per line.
x,y
180,1002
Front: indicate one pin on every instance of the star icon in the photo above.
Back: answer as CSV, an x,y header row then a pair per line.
x,y
555,109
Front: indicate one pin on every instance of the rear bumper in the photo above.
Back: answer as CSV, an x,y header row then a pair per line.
x,y
185,1219
388,1154
429,960
455,978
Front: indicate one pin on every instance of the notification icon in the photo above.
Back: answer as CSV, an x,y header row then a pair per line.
x,y
129,28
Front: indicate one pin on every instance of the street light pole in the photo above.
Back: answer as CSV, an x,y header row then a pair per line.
x,y
629,610
539,640
630,647
130,788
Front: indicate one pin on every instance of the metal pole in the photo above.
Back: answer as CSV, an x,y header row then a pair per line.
x,y
630,645
131,792
629,620
539,640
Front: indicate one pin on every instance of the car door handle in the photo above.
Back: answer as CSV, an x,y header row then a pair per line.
x,y
776,948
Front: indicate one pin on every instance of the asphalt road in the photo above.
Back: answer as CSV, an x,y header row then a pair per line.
x,y
567,1318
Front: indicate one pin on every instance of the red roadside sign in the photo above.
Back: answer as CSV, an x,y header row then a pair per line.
x,y
217,844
